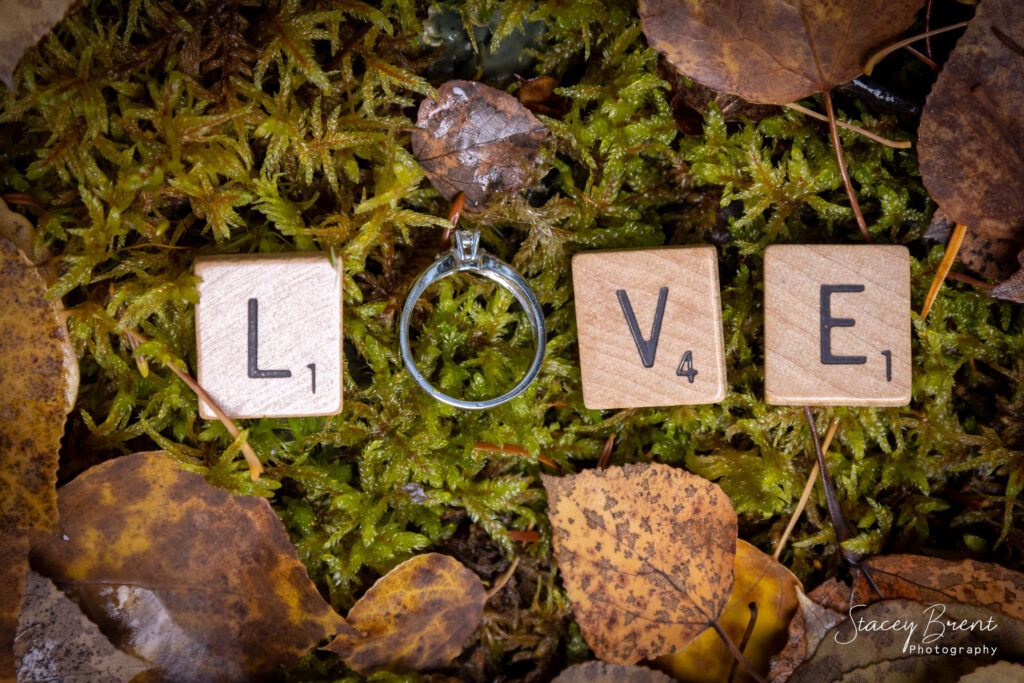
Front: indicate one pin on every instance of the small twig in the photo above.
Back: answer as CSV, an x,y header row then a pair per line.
x,y
514,450
898,144
805,496
885,51
755,674
606,453
928,27
255,466
922,56
752,606
967,279
843,171
831,501
955,240
503,579
23,199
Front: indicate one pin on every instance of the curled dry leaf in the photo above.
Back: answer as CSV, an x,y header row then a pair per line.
x,y
25,22
600,672
57,643
13,566
416,617
476,139
761,580
36,376
971,136
646,553
809,625
930,579
202,584
769,51
862,649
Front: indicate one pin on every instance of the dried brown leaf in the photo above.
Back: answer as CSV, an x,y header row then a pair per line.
x,y
773,589
57,643
773,52
416,617
34,387
866,649
14,546
476,139
809,625
202,584
646,553
930,579
1000,672
971,146
25,22
600,672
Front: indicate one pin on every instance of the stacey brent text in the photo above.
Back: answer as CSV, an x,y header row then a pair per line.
x,y
930,628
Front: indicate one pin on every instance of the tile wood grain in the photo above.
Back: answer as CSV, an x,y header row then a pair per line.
x,y
650,327
837,325
268,335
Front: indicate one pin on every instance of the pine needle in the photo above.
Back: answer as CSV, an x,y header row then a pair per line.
x,y
806,495
955,240
898,144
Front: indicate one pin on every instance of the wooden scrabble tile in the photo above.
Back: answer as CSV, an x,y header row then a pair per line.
x,y
837,325
268,335
650,327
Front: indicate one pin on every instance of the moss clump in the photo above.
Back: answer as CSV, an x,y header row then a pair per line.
x,y
153,133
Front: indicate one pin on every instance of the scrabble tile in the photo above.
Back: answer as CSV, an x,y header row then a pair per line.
x,y
268,335
650,327
837,325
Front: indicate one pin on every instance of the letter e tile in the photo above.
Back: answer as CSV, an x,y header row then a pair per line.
x,y
268,335
650,327
837,325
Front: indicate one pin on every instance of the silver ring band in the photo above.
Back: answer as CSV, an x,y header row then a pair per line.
x,y
465,256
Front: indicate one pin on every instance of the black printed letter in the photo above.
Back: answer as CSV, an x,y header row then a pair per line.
x,y
649,347
828,322
254,334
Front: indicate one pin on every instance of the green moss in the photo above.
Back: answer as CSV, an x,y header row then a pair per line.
x,y
233,127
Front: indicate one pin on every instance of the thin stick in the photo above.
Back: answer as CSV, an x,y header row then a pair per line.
x,y
255,466
885,51
922,56
502,580
831,501
928,27
751,623
955,240
805,496
898,144
837,146
737,654
606,453
514,450
967,279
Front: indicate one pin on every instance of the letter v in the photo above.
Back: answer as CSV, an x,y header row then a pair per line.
x,y
648,347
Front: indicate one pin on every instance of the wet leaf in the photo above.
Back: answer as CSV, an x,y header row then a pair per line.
x,y
972,133
773,52
202,584
25,22
476,139
57,643
809,625
416,617
646,553
773,588
930,579
13,566
34,388
600,672
867,650
1000,672
538,95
